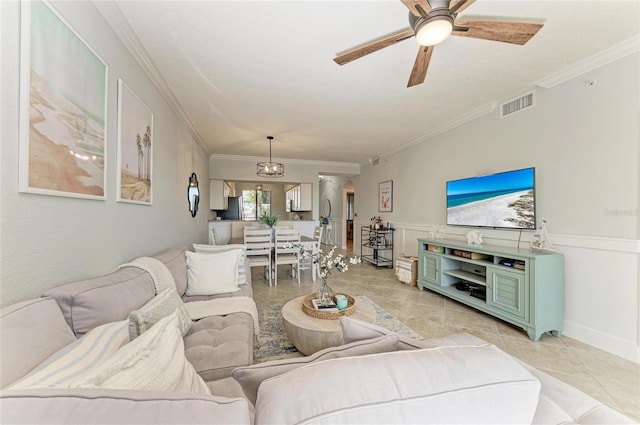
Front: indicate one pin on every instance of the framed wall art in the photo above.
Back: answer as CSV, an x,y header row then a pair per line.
x,y
63,108
385,196
135,148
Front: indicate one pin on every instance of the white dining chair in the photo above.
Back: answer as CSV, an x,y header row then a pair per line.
x,y
259,245
311,248
287,251
315,250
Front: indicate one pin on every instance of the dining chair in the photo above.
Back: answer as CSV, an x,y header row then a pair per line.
x,y
259,245
287,250
311,249
315,250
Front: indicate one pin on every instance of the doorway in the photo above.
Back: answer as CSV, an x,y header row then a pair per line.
x,y
349,222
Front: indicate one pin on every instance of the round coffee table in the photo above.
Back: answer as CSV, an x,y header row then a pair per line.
x,y
309,334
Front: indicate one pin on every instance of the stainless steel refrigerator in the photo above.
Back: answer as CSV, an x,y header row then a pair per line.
x,y
234,211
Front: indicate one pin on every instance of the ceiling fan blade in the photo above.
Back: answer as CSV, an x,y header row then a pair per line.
x,y
411,5
506,32
457,6
420,66
374,46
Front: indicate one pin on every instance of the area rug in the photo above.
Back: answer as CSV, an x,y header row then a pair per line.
x,y
273,344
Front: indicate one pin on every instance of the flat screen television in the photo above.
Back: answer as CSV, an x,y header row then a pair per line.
x,y
501,200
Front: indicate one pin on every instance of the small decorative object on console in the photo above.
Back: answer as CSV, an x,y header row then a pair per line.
x,y
540,240
474,238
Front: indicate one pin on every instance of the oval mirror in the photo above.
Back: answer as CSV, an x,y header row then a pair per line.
x,y
327,208
193,194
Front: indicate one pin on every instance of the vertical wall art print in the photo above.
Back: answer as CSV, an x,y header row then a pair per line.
x,y
135,147
385,196
63,107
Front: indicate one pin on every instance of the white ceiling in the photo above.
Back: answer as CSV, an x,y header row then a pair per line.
x,y
239,71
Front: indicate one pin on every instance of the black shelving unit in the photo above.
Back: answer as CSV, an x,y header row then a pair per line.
x,y
378,244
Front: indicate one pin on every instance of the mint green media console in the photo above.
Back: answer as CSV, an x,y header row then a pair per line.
x,y
521,287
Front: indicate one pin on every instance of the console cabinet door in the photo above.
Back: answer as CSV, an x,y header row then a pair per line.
x,y
429,268
506,291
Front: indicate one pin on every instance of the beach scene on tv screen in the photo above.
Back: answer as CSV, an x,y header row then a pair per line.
x,y
497,200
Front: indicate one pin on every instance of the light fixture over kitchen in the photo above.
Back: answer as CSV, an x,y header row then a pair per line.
x,y
270,169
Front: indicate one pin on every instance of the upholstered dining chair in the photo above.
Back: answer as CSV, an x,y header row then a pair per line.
x,y
287,250
259,245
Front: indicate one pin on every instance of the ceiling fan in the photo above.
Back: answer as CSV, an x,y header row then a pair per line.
x,y
432,21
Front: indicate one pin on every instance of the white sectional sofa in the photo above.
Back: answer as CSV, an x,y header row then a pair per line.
x,y
375,377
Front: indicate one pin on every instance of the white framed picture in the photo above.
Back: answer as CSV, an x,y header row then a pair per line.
x,y
135,148
385,196
63,108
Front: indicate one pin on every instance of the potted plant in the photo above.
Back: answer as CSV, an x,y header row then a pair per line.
x,y
269,220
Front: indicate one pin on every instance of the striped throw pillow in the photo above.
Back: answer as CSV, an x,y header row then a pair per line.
x,y
154,361
77,358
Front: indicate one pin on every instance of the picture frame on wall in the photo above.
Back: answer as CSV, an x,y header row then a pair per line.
x,y
385,196
63,108
135,148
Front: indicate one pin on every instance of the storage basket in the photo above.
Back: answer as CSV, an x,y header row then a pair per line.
x,y
407,270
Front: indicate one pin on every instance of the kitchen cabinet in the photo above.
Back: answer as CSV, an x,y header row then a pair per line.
x,y
219,191
298,198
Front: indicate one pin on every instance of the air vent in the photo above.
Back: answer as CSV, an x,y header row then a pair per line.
x,y
374,161
517,105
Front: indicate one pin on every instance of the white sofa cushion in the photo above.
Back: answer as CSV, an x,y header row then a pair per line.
x,y
47,406
250,377
213,249
210,274
154,361
163,304
467,384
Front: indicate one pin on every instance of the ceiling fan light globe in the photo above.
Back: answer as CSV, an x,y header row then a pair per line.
x,y
434,31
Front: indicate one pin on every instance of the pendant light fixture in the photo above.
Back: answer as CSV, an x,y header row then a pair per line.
x,y
270,169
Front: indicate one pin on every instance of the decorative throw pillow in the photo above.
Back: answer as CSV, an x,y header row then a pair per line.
x,y
154,361
250,377
77,358
210,274
242,273
160,306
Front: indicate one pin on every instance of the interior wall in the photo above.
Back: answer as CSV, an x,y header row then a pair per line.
x,y
49,240
584,143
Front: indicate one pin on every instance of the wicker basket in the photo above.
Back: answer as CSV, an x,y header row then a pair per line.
x,y
309,310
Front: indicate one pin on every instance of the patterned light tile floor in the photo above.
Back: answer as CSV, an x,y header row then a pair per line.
x,y
608,378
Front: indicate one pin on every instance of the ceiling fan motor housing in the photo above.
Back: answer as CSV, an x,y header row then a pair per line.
x,y
440,14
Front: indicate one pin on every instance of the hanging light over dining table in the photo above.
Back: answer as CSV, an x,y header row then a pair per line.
x,y
270,169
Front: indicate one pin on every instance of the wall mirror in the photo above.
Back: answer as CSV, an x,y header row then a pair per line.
x,y
327,208
193,194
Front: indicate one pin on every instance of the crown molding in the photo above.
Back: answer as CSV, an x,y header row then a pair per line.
x,y
114,16
603,58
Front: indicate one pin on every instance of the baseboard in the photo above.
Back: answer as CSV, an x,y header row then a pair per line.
x,y
619,347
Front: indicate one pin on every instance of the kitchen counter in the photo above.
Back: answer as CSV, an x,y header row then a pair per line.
x,y
234,229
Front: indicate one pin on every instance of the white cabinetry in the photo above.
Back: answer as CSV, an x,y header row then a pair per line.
x,y
219,191
299,198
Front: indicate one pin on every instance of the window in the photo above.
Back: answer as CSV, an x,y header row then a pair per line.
x,y
255,203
